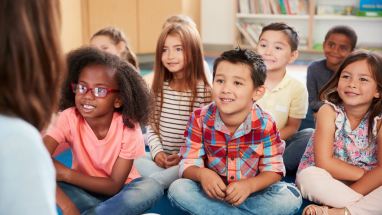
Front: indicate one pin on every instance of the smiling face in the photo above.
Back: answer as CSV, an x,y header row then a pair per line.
x,y
233,90
357,86
173,56
91,107
275,50
336,48
104,43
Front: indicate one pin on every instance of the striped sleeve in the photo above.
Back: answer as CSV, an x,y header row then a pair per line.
x,y
154,142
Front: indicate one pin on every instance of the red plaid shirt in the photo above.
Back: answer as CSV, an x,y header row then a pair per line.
x,y
254,147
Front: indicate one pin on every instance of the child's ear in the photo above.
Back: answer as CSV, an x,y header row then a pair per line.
x,y
377,95
258,93
293,57
121,46
118,103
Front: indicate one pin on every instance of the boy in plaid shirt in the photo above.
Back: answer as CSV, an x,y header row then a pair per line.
x,y
232,159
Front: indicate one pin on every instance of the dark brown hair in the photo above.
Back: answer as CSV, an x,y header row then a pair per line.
x,y
329,91
290,32
31,62
117,36
246,57
193,64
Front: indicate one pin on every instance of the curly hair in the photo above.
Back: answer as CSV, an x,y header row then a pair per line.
x,y
133,90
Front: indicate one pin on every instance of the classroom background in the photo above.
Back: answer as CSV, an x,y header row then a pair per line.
x,y
223,24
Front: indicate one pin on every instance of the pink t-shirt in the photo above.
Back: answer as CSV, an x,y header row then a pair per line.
x,y
92,156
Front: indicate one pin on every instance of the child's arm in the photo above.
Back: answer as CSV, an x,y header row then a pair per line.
x,y
192,165
156,149
323,148
107,186
63,201
237,192
313,90
373,178
291,127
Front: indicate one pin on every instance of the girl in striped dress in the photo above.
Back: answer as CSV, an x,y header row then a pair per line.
x,y
179,86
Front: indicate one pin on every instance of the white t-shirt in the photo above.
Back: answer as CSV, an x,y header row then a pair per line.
x,y
27,175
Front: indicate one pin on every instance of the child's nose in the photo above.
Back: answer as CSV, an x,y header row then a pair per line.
x,y
353,83
226,88
170,54
89,94
268,51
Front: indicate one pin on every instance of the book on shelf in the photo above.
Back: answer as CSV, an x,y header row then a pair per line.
x,y
370,8
288,7
250,32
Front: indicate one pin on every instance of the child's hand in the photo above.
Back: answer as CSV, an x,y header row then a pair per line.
x,y
62,172
212,184
237,192
160,159
172,160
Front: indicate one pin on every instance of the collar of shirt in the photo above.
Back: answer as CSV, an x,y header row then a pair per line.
x,y
252,121
283,83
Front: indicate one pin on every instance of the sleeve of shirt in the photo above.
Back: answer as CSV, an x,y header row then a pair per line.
x,y
59,129
272,159
299,103
153,142
192,152
133,145
311,84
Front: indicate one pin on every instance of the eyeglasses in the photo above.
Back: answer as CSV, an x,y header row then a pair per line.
x,y
99,92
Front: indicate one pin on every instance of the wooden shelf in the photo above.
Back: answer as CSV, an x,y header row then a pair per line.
x,y
272,16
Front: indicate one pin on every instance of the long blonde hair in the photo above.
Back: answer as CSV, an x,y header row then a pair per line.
x,y
193,65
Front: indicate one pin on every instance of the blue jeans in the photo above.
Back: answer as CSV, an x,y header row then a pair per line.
x,y
294,149
148,168
279,198
134,198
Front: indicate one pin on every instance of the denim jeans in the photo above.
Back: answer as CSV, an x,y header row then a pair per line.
x,y
134,198
294,149
148,168
279,198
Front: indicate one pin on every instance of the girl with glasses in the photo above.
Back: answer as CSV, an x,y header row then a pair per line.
x,y
104,102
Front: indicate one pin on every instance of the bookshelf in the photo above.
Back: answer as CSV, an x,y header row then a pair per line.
x,y
311,19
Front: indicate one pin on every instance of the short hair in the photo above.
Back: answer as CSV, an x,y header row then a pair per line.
x,y
344,30
247,57
31,63
133,91
290,32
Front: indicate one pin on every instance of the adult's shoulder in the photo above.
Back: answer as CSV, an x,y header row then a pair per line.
x,y
16,128
19,138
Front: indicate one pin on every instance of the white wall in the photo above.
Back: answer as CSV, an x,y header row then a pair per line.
x,y
217,21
